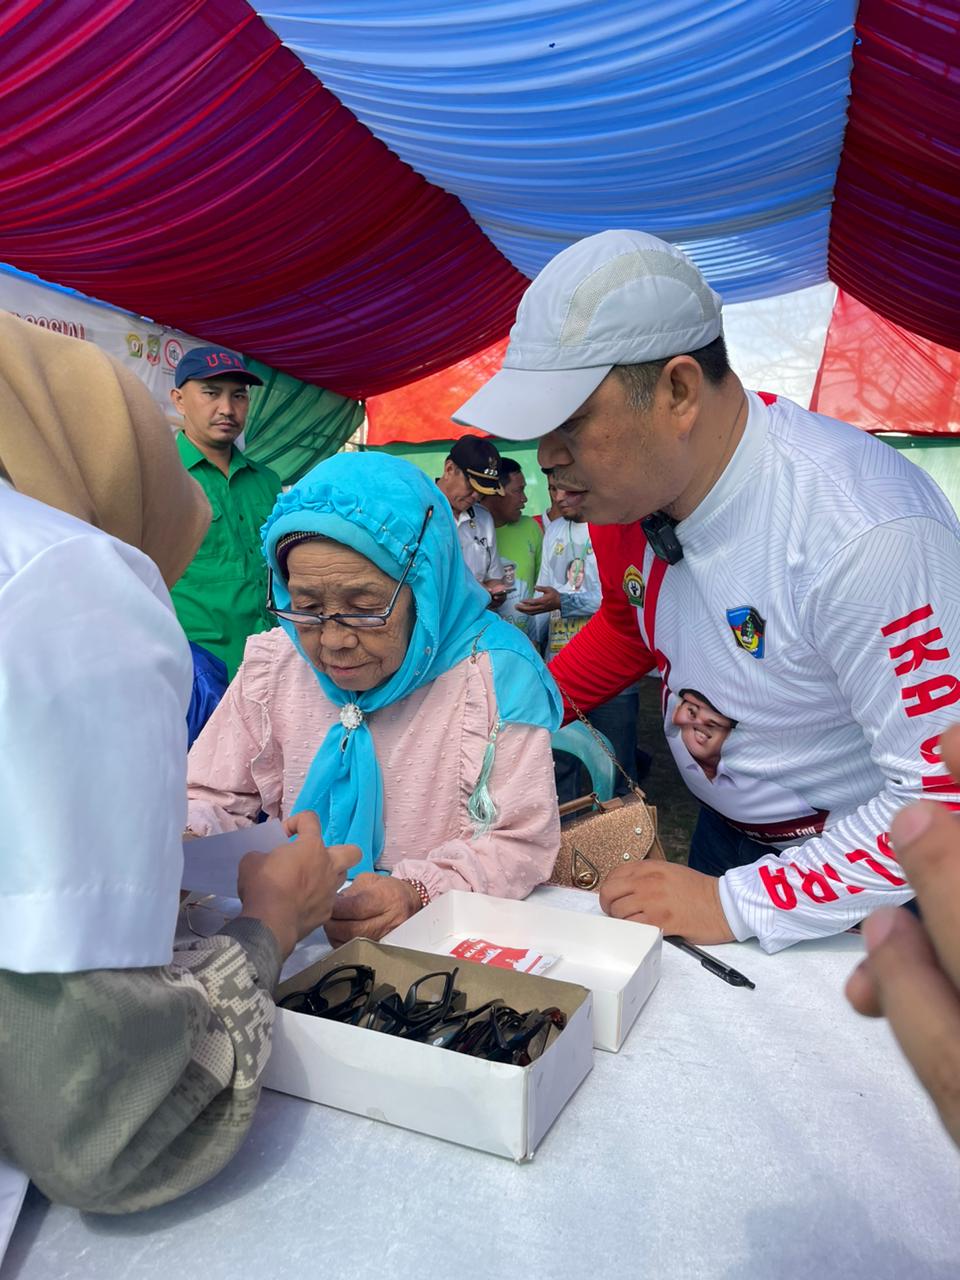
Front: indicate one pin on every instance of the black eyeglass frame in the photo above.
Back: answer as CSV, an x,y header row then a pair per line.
x,y
359,621
358,981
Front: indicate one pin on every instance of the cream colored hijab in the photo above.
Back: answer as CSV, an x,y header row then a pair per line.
x,y
81,433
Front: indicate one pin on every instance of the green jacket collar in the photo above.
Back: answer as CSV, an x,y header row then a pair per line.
x,y
190,455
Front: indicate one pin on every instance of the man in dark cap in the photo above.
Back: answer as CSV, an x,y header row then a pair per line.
x,y
220,599
472,470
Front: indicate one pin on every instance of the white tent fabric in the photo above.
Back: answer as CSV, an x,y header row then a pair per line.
x,y
776,344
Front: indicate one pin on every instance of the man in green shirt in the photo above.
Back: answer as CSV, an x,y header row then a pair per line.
x,y
220,600
519,539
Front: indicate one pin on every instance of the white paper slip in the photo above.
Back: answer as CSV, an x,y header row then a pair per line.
x,y
13,1187
210,863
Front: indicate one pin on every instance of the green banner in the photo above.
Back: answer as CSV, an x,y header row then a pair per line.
x,y
292,425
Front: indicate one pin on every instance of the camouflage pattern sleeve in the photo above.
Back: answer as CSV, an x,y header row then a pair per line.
x,y
122,1089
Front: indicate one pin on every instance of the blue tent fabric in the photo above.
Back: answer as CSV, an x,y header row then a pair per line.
x,y
717,126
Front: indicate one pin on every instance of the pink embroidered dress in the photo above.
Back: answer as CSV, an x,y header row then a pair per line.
x,y
260,742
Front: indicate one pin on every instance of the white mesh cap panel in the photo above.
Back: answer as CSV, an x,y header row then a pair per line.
x,y
621,297
630,268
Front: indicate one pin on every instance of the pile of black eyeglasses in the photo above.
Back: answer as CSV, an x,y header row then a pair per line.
x,y
433,1012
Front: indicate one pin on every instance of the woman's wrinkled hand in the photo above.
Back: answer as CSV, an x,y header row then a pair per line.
x,y
371,907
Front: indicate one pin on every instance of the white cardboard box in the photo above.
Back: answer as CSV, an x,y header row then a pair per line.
x,y
618,960
492,1106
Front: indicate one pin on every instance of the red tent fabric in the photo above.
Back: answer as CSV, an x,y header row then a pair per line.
x,y
884,378
188,167
895,227
421,411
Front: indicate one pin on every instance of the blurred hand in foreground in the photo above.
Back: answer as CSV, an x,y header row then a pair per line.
x,y
911,975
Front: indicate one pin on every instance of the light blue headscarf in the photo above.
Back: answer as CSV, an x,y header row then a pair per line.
x,y
375,504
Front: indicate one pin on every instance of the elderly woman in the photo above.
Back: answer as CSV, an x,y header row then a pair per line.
x,y
393,703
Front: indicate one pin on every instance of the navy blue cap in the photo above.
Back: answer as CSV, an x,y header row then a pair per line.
x,y
212,362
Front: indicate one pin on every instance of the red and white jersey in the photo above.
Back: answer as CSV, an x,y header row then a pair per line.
x,y
809,646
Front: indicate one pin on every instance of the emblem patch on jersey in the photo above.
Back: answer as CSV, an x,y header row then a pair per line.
x,y
748,628
633,586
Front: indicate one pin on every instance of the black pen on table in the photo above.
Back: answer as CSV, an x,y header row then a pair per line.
x,y
709,962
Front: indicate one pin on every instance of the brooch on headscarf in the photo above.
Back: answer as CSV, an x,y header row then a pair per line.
x,y
351,717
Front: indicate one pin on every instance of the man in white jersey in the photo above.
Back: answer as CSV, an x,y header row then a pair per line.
x,y
801,576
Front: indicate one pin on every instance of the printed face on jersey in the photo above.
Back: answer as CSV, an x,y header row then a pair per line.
x,y
576,572
633,586
748,629
703,729
617,463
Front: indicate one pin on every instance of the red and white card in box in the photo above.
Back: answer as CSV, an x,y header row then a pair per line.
x,y
617,960
520,959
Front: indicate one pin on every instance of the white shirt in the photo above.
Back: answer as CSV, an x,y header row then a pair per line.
x,y
569,565
849,556
760,807
478,541
95,680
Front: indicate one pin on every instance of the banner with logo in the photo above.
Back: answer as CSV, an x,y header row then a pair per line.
x,y
150,350
292,425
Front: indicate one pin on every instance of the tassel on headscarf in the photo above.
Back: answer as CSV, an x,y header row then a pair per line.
x,y
481,807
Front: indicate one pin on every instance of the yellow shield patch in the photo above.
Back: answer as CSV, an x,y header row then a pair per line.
x,y
633,586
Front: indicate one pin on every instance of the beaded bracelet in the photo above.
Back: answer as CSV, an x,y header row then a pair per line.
x,y
421,889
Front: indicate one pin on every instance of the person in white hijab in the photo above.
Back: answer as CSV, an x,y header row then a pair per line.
x,y
129,1068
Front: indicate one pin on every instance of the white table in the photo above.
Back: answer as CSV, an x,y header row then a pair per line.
x,y
738,1135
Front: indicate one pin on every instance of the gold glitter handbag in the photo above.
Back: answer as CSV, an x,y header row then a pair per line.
x,y
613,832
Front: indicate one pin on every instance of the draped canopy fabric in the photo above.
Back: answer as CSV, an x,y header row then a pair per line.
x,y
174,159
882,377
291,425
355,191
716,126
895,235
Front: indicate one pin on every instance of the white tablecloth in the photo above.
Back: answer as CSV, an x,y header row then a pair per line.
x,y
738,1135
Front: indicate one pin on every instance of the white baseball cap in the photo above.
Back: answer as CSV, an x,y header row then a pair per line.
x,y
620,297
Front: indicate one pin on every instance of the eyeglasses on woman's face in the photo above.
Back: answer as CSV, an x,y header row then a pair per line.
x,y
359,619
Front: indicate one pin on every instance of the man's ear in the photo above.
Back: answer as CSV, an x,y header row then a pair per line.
x,y
176,399
683,380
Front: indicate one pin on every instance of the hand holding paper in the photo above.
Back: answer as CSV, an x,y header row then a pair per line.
x,y
293,888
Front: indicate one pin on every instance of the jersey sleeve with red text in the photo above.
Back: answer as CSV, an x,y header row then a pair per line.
x,y
885,614
608,654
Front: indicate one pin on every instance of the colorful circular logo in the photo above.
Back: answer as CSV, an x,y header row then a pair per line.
x,y
173,352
